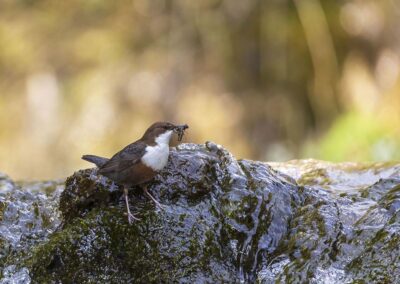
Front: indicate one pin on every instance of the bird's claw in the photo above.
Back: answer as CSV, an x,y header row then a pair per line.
x,y
159,205
132,218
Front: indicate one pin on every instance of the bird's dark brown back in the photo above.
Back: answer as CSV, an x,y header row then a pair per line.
x,y
125,166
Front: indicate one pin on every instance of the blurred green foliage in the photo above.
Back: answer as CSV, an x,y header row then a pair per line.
x,y
357,137
268,79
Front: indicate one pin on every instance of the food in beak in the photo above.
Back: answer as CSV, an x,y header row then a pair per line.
x,y
180,129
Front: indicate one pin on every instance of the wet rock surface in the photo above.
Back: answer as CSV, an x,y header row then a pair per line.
x,y
225,221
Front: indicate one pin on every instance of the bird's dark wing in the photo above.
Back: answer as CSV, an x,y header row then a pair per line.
x,y
124,159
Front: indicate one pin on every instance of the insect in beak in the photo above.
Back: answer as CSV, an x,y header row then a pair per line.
x,y
180,129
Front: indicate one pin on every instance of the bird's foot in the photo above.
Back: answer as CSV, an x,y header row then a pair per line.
x,y
158,204
132,218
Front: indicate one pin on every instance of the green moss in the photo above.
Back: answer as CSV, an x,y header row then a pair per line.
x,y
2,209
101,243
313,177
358,281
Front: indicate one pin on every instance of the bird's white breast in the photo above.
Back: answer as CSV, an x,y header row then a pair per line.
x,y
156,157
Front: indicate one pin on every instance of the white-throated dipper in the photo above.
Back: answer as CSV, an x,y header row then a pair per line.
x,y
140,161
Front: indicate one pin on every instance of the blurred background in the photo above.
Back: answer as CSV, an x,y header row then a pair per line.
x,y
270,80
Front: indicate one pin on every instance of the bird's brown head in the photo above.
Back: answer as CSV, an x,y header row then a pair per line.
x,y
159,128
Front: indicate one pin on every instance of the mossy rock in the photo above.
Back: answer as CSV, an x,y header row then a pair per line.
x,y
218,223
225,221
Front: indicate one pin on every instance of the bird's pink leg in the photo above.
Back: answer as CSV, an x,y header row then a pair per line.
x,y
131,217
158,204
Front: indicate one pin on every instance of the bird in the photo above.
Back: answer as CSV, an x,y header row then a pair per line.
x,y
140,161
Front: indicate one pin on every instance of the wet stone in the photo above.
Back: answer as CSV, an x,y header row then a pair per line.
x,y
225,221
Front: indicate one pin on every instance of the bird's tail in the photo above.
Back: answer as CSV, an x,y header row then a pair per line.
x,y
98,161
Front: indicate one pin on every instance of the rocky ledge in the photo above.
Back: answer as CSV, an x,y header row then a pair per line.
x,y
225,221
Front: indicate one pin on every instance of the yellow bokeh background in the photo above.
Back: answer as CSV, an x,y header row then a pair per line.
x,y
269,80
